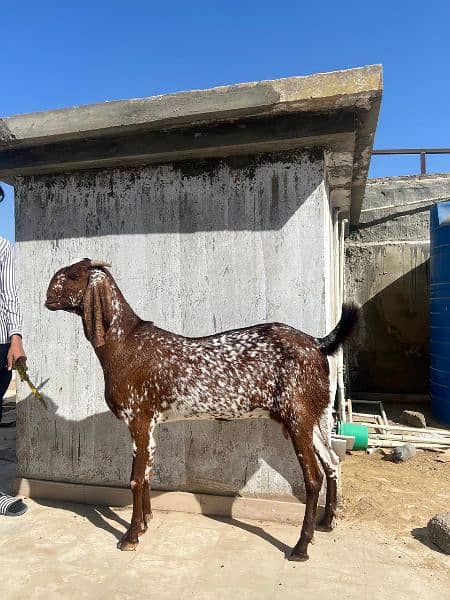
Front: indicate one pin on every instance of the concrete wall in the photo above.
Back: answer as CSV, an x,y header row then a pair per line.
x,y
197,249
387,273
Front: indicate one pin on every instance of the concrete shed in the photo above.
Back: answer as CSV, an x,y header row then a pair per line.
x,y
218,209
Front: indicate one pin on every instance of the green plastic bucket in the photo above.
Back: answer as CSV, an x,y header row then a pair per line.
x,y
359,432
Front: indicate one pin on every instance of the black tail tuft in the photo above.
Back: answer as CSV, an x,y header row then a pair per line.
x,y
349,318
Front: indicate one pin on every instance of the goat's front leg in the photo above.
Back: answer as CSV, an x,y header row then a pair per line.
x,y
139,429
146,506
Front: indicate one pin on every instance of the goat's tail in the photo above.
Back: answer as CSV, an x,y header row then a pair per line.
x,y
331,342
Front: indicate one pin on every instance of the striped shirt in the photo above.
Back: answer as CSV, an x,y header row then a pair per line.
x,y
10,313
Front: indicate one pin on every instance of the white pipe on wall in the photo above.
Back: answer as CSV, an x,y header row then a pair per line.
x,y
337,230
340,297
336,264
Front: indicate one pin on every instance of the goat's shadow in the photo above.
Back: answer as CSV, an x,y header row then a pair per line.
x,y
105,429
255,530
98,515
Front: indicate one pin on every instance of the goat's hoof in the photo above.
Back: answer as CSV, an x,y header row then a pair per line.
x,y
296,557
326,525
126,545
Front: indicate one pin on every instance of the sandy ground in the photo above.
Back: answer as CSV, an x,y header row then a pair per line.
x,y
396,501
397,496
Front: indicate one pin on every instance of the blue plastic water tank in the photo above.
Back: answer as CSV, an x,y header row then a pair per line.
x,y
440,310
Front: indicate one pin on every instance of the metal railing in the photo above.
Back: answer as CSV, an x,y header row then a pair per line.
x,y
422,152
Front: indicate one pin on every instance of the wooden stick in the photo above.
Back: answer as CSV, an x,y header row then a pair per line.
x,y
392,444
410,438
380,420
365,415
380,406
376,425
383,414
359,401
444,432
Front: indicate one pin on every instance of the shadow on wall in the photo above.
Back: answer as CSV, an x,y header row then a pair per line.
x,y
235,194
390,351
180,465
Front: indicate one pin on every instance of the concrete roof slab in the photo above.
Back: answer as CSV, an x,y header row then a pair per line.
x,y
242,118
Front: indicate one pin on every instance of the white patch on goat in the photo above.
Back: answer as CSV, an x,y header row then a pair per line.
x,y
127,415
116,328
58,284
97,276
151,447
75,299
323,448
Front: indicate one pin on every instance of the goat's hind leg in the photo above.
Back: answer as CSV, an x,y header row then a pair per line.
x,y
329,462
302,440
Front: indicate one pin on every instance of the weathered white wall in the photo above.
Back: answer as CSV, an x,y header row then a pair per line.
x,y
196,249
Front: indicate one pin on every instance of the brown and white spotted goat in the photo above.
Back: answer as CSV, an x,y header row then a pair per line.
x,y
152,376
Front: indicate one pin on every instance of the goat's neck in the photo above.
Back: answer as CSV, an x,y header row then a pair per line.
x,y
124,319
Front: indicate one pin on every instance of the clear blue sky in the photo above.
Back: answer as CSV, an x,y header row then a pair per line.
x,y
55,54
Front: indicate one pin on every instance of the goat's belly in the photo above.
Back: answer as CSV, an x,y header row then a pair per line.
x,y
175,415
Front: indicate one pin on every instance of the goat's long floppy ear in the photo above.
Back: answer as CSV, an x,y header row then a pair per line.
x,y
97,308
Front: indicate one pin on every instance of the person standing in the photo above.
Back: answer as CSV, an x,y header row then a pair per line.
x,y
11,346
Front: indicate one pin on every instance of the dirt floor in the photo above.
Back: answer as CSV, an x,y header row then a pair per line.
x,y
396,500
397,496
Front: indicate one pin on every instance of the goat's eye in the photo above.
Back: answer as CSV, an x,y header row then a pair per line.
x,y
74,276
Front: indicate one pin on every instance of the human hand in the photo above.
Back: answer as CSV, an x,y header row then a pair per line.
x,y
15,351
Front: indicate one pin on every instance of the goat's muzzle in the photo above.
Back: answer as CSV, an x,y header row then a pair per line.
x,y
52,304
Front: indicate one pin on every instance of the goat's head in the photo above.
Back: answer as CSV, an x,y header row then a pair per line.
x,y
84,288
